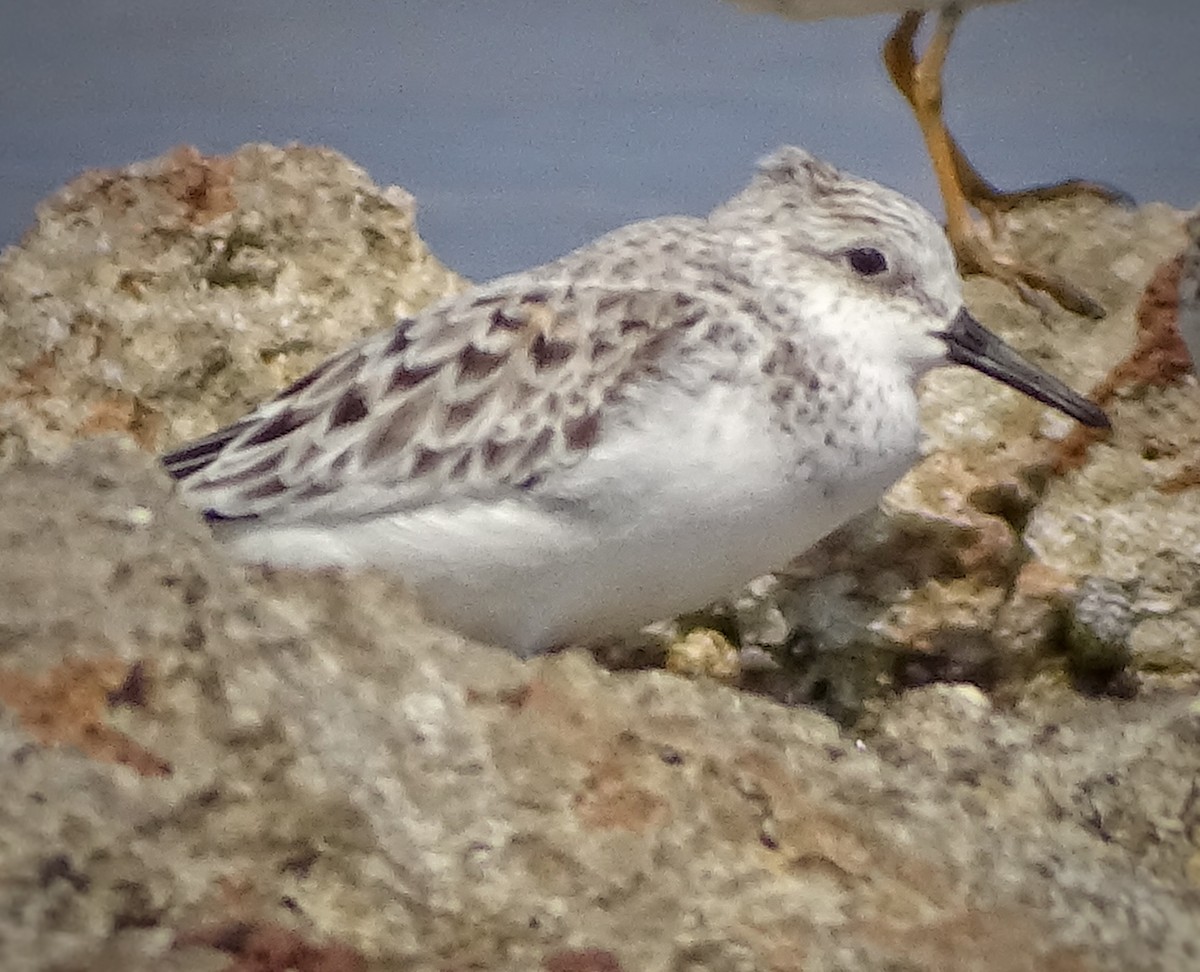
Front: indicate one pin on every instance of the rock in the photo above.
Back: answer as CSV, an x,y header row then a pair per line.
x,y
1101,622
1127,509
282,770
1189,291
705,653
168,297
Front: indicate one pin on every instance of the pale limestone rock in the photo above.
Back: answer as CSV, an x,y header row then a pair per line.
x,y
203,769
165,298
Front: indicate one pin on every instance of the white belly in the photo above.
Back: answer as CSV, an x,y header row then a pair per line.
x,y
651,524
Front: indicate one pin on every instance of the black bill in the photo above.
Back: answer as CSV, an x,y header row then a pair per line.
x,y
970,343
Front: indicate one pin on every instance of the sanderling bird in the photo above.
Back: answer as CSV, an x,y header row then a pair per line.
x,y
919,80
629,432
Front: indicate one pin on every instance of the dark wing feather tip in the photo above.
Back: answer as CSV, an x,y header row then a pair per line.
x,y
194,456
212,516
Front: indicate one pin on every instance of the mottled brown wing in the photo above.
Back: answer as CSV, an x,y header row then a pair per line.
x,y
476,396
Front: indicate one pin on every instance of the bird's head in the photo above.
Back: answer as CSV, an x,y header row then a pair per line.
x,y
876,266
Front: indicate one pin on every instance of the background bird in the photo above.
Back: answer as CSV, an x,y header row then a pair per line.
x,y
919,79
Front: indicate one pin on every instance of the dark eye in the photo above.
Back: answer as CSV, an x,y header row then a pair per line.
x,y
866,261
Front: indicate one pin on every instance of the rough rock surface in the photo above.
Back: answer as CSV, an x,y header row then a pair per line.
x,y
1189,290
209,768
201,766
169,297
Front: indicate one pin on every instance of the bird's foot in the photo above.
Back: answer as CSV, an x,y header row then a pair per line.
x,y
992,202
978,255
919,80
1035,286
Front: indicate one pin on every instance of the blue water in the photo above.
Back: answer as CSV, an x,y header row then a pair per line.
x,y
526,127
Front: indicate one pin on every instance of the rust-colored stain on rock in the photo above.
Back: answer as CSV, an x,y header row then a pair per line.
x,y
1187,478
267,947
126,414
113,410
196,187
582,960
66,706
1158,358
609,800
1013,939
203,183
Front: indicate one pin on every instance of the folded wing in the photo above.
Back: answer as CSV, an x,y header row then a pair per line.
x,y
477,396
